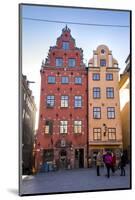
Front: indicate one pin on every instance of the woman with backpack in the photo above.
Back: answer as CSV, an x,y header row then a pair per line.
x,y
108,162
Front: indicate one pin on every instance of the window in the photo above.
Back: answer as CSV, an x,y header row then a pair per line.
x,y
59,62
71,62
96,77
77,126
64,101
78,101
102,62
96,112
96,92
112,133
49,127
64,79
51,79
65,45
110,92
109,77
102,51
97,133
63,126
110,112
78,80
50,101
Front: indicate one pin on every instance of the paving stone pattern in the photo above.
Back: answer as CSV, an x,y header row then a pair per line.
x,y
74,180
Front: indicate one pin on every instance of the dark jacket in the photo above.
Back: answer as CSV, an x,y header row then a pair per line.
x,y
123,161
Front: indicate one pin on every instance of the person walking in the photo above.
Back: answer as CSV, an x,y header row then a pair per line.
x,y
108,162
123,164
98,163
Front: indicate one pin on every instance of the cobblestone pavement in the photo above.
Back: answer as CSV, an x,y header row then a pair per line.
x,y
74,180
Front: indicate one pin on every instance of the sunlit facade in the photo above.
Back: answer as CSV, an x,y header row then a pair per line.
x,y
124,87
105,131
62,129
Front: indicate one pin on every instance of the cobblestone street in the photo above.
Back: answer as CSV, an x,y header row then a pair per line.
x,y
74,180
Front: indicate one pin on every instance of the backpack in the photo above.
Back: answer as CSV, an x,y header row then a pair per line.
x,y
108,159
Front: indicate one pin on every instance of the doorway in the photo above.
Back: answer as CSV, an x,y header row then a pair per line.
x,y
63,159
79,158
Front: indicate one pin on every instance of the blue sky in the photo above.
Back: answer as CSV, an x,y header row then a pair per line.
x,y
38,36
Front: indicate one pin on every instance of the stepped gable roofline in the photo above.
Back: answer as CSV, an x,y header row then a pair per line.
x,y
66,31
65,44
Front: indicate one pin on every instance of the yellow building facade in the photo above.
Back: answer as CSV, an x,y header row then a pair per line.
x,y
124,87
104,122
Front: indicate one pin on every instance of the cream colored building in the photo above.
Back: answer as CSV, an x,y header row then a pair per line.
x,y
105,132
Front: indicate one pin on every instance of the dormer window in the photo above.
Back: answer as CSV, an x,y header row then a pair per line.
x,y
65,45
102,51
102,62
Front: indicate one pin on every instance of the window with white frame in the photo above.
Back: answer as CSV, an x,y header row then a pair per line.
x,y
97,133
50,101
77,126
48,127
110,92
96,92
63,126
78,101
110,112
96,112
64,101
112,133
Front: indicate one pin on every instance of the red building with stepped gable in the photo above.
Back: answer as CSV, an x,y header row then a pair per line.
x,y
62,130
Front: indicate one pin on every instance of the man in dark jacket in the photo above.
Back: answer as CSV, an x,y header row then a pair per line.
x,y
123,164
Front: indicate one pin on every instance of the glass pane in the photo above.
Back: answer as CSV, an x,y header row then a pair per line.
x,y
51,79
65,45
96,76
59,62
78,80
102,62
64,79
71,62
